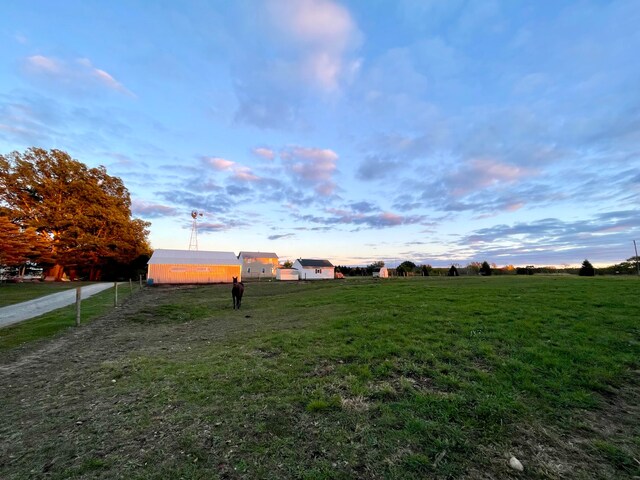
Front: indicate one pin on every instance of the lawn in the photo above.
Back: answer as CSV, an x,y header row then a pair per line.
x,y
397,378
11,293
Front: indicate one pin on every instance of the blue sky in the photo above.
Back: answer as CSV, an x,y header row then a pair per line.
x,y
434,131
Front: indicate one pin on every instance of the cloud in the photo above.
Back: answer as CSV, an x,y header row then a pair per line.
x,y
312,166
244,174
482,173
377,168
306,53
79,75
376,220
278,237
265,153
363,207
603,238
208,227
152,210
325,33
220,163
240,172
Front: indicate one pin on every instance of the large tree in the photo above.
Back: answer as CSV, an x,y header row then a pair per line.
x,y
81,213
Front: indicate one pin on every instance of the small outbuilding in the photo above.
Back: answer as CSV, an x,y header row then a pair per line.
x,y
189,266
381,272
312,269
258,264
287,274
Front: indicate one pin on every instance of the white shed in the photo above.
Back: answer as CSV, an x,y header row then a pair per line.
x,y
382,273
188,266
311,269
287,274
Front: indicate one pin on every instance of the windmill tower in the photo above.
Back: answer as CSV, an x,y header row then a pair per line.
x,y
193,240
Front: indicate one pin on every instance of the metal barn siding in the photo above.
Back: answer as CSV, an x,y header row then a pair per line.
x,y
185,266
177,273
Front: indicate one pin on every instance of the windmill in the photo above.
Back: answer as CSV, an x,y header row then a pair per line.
x,y
193,241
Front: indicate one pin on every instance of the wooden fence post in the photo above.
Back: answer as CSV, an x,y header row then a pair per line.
x,y
115,298
78,301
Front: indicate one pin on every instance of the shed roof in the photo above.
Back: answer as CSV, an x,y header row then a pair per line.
x,y
191,257
310,262
257,255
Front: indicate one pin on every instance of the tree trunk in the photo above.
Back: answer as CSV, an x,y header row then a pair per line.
x,y
57,271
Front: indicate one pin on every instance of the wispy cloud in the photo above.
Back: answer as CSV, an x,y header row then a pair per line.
x,y
278,237
78,75
146,209
376,220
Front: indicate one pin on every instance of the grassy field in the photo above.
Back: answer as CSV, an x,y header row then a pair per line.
x,y
12,293
52,323
397,378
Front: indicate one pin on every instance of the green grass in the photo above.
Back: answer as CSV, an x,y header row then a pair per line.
x,y
399,378
12,293
52,323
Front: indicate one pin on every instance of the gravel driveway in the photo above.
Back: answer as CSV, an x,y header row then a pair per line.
x,y
23,311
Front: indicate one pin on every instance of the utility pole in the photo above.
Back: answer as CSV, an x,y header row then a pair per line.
x,y
637,259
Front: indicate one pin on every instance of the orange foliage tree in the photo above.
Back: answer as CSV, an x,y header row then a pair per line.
x,y
74,218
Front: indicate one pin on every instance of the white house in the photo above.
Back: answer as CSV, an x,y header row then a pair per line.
x,y
189,266
310,269
258,264
287,274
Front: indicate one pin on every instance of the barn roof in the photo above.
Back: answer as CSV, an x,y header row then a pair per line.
x,y
309,262
257,255
191,257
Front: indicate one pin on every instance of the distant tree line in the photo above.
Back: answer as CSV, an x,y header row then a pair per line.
x,y
69,219
409,268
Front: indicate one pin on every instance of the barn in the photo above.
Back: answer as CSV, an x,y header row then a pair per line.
x,y
188,266
258,264
311,269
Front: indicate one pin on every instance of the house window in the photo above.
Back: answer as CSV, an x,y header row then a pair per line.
x,y
318,270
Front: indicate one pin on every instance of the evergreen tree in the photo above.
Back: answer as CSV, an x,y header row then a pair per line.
x,y
587,270
485,269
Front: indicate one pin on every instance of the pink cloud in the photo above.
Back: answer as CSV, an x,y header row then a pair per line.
x,y
245,174
483,173
240,172
220,163
263,152
313,166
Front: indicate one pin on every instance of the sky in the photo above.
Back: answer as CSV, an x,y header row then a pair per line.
x,y
356,131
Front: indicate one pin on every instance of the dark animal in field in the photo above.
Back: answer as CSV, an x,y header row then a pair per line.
x,y
236,293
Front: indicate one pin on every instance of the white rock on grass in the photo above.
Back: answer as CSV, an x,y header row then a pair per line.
x,y
515,464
